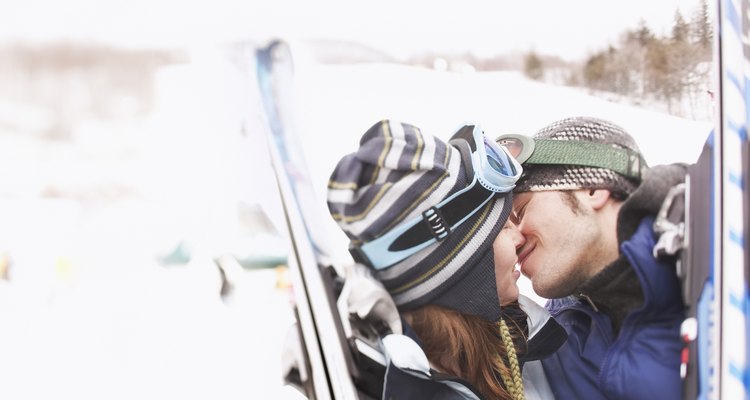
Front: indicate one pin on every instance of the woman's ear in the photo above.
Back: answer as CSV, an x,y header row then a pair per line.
x,y
598,198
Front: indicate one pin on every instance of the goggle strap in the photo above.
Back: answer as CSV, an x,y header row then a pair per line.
x,y
466,133
447,215
359,256
464,149
621,160
434,225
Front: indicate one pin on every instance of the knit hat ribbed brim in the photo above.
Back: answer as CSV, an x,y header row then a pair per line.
x,y
571,177
397,173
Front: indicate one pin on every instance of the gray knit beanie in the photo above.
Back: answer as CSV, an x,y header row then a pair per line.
x,y
538,177
397,173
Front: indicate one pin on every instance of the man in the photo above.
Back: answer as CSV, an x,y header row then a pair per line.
x,y
586,206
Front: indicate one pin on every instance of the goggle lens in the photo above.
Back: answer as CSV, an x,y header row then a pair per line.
x,y
513,145
520,147
498,159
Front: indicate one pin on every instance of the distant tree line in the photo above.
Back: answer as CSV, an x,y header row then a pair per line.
x,y
65,81
671,71
674,69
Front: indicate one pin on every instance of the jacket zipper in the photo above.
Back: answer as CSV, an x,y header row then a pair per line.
x,y
588,300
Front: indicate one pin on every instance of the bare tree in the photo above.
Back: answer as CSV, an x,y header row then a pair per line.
x,y
533,66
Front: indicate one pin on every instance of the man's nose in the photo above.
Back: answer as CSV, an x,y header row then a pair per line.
x,y
518,239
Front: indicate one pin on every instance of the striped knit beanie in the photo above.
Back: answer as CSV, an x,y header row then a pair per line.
x,y
397,173
571,177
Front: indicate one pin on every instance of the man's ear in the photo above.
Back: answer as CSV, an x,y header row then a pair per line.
x,y
598,198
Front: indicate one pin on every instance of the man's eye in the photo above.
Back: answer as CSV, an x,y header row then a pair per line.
x,y
515,217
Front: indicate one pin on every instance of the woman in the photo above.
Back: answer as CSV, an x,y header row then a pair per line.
x,y
430,219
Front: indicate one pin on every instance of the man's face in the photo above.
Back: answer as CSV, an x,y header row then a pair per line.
x,y
560,240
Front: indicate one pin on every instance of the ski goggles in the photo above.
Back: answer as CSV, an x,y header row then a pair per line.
x,y
494,171
528,150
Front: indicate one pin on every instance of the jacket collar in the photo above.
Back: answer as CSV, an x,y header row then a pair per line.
x,y
545,334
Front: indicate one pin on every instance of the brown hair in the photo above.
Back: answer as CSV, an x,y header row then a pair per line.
x,y
468,347
569,198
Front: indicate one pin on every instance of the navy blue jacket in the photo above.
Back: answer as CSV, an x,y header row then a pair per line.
x,y
641,361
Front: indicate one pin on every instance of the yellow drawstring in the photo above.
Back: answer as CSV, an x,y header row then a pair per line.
x,y
513,383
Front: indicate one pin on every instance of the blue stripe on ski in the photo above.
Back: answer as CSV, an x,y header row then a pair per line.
x,y
739,129
736,180
737,302
733,17
736,237
740,373
735,81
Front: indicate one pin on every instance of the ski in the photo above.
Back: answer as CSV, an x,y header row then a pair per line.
x,y
340,361
734,93
716,259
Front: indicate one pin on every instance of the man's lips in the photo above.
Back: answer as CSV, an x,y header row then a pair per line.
x,y
524,254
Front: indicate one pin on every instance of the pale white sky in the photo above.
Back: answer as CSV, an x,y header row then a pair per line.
x,y
569,28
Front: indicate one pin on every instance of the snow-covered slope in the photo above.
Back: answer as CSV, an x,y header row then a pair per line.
x,y
88,314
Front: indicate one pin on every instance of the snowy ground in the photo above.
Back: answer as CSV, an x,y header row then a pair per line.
x,y
89,314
